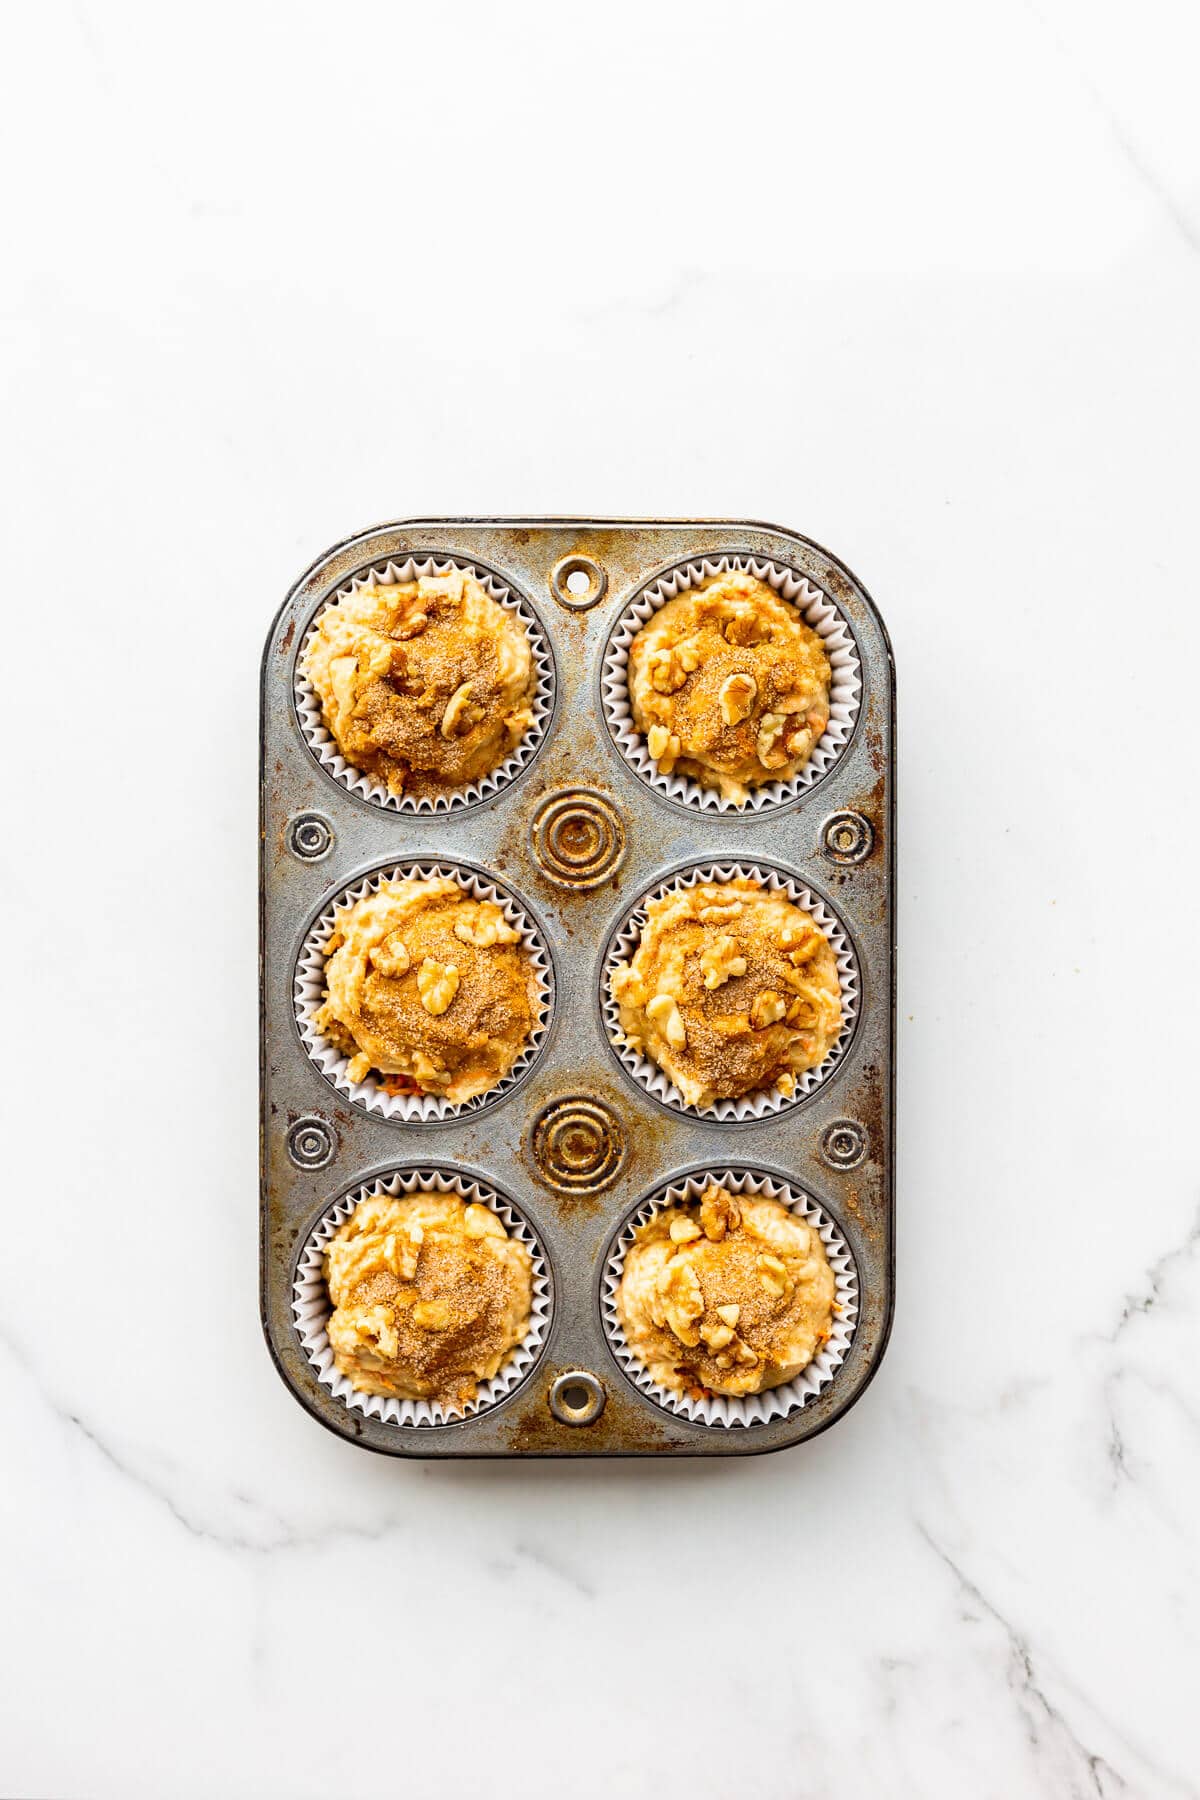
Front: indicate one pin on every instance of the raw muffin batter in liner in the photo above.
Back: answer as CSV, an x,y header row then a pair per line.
x,y
416,1236
425,686
423,990
731,683
731,987
730,1297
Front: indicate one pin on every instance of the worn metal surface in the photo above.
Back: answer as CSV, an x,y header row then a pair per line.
x,y
579,837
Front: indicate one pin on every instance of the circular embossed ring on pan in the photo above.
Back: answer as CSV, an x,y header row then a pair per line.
x,y
578,838
578,1144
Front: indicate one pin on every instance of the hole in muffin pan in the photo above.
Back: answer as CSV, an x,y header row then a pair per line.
x,y
578,583
579,1143
576,1398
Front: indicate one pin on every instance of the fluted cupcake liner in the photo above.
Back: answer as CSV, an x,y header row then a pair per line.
x,y
766,1102
309,991
815,607
323,745
726,1410
311,1306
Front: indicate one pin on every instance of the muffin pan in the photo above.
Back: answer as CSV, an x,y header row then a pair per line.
x,y
572,838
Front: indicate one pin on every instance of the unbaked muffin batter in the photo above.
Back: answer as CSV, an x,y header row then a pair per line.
x,y
731,990
430,987
426,685
729,685
430,1296
731,1295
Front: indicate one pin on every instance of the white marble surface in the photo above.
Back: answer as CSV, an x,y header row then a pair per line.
x,y
923,282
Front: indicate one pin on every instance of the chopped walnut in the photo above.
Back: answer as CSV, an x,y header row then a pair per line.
x,y
664,747
455,708
479,1222
721,960
689,654
737,697
664,1013
767,1008
720,914
484,930
410,627
391,958
683,1231
666,675
683,1301
801,942
719,1213
716,1336
437,984
729,1315
402,1250
432,1315
743,628
771,753
773,1275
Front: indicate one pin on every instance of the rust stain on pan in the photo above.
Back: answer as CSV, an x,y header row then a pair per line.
x,y
532,1429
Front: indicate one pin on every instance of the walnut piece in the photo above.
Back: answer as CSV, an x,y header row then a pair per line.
x,y
767,1008
431,1315
437,984
484,930
716,1336
455,708
743,628
771,753
666,675
682,1231
716,914
663,746
683,1302
391,958
663,1012
479,1222
410,627
719,1213
773,1275
737,697
721,960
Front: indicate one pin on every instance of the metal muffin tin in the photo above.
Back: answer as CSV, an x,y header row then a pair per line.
x,y
577,1143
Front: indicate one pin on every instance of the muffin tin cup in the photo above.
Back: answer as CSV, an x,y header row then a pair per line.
x,y
309,990
815,607
767,1103
311,1307
323,745
724,1411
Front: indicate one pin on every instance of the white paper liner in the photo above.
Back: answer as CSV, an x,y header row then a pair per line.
x,y
817,610
764,1104
324,746
775,1403
311,1305
309,990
